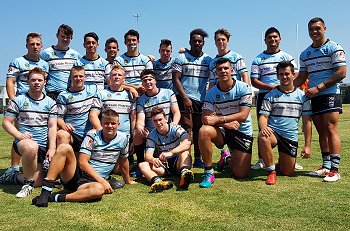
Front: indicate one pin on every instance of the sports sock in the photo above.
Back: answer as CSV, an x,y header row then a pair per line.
x,y
30,182
183,170
209,170
226,159
15,167
270,168
43,199
335,160
58,197
326,160
155,179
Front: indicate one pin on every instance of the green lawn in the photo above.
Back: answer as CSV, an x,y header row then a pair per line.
x,y
295,203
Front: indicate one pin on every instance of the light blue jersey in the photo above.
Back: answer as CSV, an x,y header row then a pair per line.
x,y
74,107
32,116
119,101
264,67
194,74
284,111
164,100
133,67
320,63
159,143
95,71
224,103
237,62
163,73
60,62
19,69
103,155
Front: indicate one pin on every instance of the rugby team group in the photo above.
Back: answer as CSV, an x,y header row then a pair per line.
x,y
82,118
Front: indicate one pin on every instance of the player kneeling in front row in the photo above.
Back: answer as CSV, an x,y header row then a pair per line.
x,y
226,120
86,177
281,110
167,153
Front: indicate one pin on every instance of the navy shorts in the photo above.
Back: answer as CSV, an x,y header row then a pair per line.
x,y
326,103
237,140
196,105
287,146
77,180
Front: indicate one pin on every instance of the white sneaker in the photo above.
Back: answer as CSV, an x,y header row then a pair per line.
x,y
298,166
319,172
259,165
25,191
333,176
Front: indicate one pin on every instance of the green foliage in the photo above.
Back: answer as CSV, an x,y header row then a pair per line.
x,y
295,203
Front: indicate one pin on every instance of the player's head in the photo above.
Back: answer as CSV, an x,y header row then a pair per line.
x,y
224,32
272,30
117,76
222,37
284,65
158,117
111,47
36,79
317,29
272,38
285,72
109,121
132,32
197,39
64,36
165,49
315,20
223,68
34,43
131,40
77,77
148,78
90,42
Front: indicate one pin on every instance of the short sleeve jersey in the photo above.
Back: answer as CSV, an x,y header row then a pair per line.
x,y
133,67
119,101
194,74
164,100
163,143
19,69
224,103
33,115
163,73
104,155
284,111
60,62
238,66
264,67
74,107
320,63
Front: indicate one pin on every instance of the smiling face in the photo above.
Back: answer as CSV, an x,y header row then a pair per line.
x,y
285,76
273,41
221,42
165,52
111,49
148,82
317,32
131,43
77,78
36,83
196,43
63,40
90,45
224,71
109,126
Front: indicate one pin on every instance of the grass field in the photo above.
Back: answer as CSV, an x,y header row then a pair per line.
x,y
295,203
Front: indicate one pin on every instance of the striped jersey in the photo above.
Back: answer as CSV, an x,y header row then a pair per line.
x,y
224,103
19,69
103,155
119,101
320,63
238,66
284,111
32,116
74,107
163,73
133,67
164,100
194,74
95,71
264,67
159,143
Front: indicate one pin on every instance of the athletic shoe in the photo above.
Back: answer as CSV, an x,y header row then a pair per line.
x,y
333,176
298,166
161,186
115,184
208,180
319,172
186,179
271,178
259,165
25,191
9,176
198,163
221,164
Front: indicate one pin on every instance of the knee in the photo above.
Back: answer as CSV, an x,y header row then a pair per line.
x,y
97,191
64,149
205,131
143,166
63,136
28,148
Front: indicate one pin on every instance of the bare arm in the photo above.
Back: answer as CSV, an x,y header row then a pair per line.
x,y
307,127
132,89
10,87
300,79
262,86
176,113
338,75
10,128
263,124
124,166
209,119
94,120
52,124
245,77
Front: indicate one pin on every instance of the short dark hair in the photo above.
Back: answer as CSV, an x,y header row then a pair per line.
x,y
65,29
33,35
132,32
76,68
36,70
221,61
165,42
285,64
92,35
111,40
148,72
200,32
272,30
224,32
157,110
316,19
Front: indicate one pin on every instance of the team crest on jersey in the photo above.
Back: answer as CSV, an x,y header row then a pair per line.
x,y
164,98
308,54
109,95
27,65
263,59
147,103
217,97
25,105
102,66
70,98
325,51
125,61
88,93
188,59
47,108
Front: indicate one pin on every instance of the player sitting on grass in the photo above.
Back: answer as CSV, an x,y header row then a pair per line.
x,y
86,176
167,153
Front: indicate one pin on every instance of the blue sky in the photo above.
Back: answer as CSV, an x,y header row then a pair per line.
x,y
246,20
